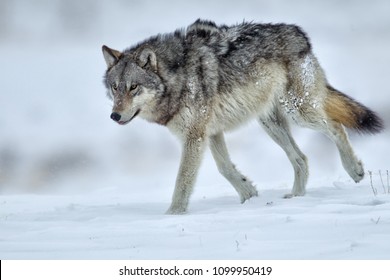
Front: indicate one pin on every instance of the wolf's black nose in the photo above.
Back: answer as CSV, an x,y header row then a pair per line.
x,y
115,116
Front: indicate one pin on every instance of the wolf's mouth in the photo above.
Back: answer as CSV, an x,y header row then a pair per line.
x,y
126,122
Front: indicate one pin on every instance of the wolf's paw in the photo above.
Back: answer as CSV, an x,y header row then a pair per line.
x,y
176,210
294,194
248,192
357,172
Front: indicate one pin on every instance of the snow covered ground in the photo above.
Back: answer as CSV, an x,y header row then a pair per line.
x,y
341,221
74,185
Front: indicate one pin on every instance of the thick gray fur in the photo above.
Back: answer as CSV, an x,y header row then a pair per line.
x,y
208,79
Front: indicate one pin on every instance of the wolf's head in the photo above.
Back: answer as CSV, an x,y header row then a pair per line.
x,y
132,84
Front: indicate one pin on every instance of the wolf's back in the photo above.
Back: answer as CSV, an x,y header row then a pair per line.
x,y
352,114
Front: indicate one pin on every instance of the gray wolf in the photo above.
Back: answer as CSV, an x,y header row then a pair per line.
x,y
207,79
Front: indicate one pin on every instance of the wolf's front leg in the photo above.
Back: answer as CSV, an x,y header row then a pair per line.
x,y
193,149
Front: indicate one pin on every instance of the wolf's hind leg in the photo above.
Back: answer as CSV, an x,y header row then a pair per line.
x,y
351,163
278,128
220,153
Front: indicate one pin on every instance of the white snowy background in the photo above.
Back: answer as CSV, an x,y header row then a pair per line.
x,y
75,185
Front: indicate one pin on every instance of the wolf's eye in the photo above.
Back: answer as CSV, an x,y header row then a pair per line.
x,y
133,87
114,87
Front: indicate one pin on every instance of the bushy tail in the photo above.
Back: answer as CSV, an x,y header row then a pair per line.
x,y
343,109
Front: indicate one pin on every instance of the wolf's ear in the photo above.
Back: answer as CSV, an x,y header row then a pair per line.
x,y
148,57
110,55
